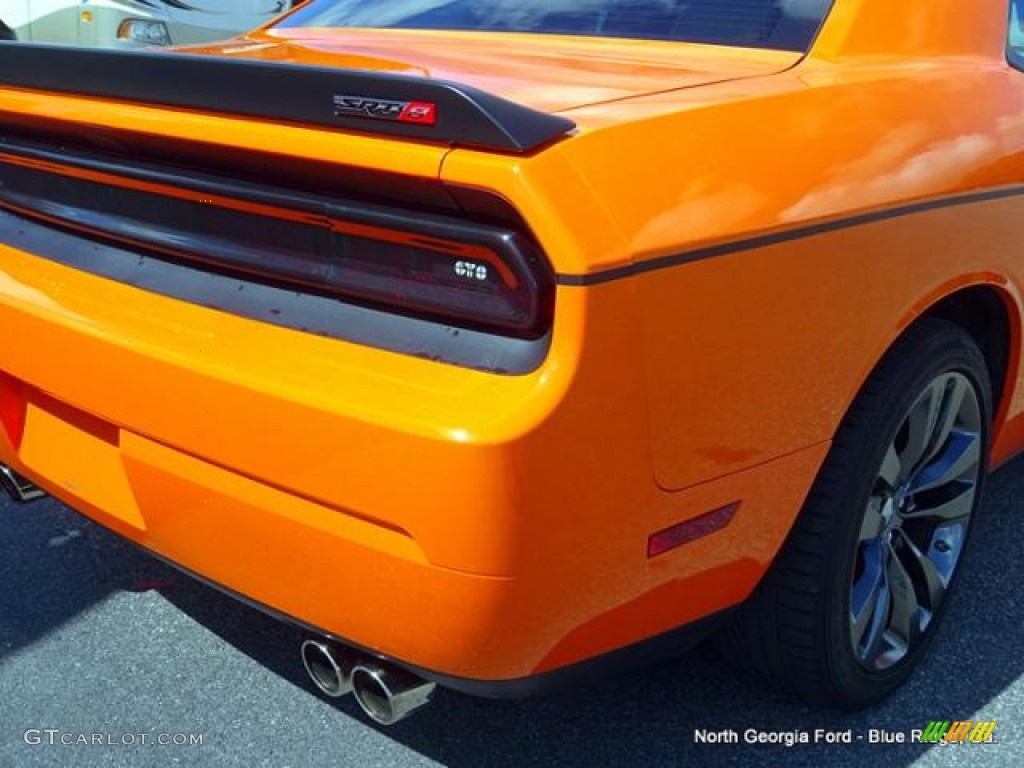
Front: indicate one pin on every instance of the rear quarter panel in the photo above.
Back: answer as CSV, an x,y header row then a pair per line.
x,y
756,342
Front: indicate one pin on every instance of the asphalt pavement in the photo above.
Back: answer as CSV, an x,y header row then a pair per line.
x,y
102,644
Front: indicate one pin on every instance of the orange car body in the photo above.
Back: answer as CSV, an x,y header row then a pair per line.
x,y
738,236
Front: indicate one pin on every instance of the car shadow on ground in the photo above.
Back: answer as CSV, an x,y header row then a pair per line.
x,y
42,550
648,717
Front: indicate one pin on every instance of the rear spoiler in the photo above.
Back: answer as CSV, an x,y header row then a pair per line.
x,y
346,99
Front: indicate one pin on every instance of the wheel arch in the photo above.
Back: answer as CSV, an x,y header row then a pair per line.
x,y
990,311
797,625
984,312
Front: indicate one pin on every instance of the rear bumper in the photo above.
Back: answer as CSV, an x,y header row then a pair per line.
x,y
476,526
660,647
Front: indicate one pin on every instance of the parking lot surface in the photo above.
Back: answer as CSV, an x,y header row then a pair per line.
x,y
97,638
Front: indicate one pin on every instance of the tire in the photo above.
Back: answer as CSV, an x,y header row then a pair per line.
x,y
859,588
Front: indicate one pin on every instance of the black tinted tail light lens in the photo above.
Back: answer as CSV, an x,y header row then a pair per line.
x,y
471,275
453,271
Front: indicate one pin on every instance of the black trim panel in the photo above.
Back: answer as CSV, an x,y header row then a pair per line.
x,y
613,663
776,238
293,93
304,312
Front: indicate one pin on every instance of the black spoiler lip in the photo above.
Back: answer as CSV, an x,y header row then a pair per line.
x,y
293,93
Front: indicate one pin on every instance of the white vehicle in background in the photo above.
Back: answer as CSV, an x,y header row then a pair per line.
x,y
133,22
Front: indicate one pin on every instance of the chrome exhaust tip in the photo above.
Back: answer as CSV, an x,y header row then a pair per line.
x,y
328,666
389,694
19,488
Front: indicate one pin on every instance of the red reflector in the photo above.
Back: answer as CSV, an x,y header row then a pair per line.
x,y
661,542
419,112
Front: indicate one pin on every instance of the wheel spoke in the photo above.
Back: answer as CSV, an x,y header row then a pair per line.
x,y
871,525
932,582
954,390
873,635
921,423
903,620
869,601
960,455
955,509
891,472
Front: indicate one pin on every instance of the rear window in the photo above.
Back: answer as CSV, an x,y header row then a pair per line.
x,y
781,24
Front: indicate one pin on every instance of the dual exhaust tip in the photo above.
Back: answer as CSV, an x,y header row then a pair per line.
x,y
386,693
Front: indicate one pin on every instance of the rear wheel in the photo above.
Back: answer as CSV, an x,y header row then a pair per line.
x,y
863,580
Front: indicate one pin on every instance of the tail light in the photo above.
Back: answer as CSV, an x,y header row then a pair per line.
x,y
464,273
453,271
